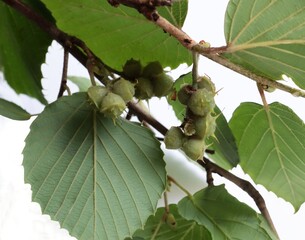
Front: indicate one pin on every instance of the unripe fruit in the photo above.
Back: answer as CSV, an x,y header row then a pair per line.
x,y
201,102
144,89
112,105
152,69
162,84
210,125
200,126
184,94
194,148
124,88
132,69
96,94
174,138
205,82
170,220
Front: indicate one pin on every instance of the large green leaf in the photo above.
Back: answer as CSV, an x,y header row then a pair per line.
x,y
100,180
223,143
22,50
223,215
184,229
267,37
271,146
13,111
118,34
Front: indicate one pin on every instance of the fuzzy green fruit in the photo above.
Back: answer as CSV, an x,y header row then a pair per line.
x,y
132,69
210,125
174,138
162,84
194,148
152,69
144,88
96,94
201,102
200,126
124,88
170,220
205,82
112,105
185,93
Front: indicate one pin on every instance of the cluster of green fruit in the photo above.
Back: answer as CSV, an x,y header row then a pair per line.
x,y
199,122
149,81
111,100
141,82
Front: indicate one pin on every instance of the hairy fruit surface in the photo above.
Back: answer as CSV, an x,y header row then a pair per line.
x,y
124,88
112,105
96,94
201,102
162,84
144,88
174,138
132,69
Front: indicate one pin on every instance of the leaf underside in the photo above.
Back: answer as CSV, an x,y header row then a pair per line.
x,y
271,147
118,34
223,215
267,37
99,180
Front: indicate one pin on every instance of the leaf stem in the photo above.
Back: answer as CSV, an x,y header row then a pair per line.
x,y
63,84
179,186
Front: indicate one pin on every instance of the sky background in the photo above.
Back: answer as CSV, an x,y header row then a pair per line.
x,y
22,219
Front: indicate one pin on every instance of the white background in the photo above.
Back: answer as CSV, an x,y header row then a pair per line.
x,y
21,219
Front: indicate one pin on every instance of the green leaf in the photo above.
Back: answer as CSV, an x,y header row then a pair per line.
x,y
223,215
81,82
184,229
267,37
100,180
117,34
23,46
13,111
271,146
175,14
224,144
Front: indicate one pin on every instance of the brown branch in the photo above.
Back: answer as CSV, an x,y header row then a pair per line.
x,y
63,83
244,185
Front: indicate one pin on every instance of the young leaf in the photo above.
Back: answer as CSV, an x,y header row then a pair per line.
x,y
82,83
100,180
13,111
271,147
267,37
23,46
184,229
117,34
223,215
